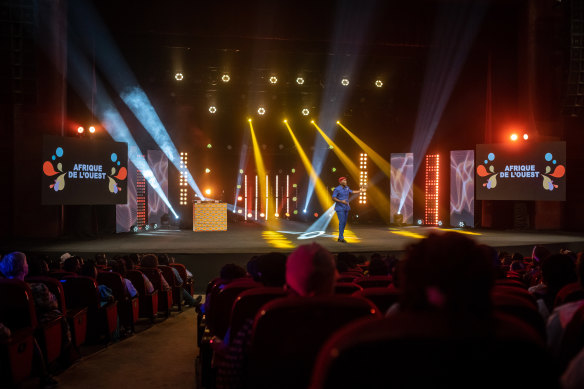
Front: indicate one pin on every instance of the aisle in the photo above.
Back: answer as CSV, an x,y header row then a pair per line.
x,y
161,357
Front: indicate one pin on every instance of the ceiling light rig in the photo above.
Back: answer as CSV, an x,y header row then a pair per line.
x,y
179,76
273,80
212,109
305,112
300,80
378,83
225,78
345,82
261,110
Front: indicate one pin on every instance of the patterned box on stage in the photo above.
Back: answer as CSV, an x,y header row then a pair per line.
x,y
209,216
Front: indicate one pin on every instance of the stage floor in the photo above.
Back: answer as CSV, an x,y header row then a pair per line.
x,y
250,238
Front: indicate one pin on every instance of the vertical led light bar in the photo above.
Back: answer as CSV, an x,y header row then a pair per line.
x,y
363,177
277,210
183,183
267,191
432,186
287,195
245,196
141,200
256,197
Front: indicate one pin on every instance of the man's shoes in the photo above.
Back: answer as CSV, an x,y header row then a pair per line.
x,y
341,240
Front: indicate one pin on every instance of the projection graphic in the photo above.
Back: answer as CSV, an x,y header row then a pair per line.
x,y
401,183
158,162
126,214
462,188
521,171
80,171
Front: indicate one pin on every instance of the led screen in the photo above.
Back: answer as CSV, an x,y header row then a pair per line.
x,y
462,188
401,183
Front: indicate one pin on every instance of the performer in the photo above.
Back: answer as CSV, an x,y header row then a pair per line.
x,y
341,197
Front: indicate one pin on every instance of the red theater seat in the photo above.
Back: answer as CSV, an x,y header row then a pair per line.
x,y
573,340
61,274
82,292
345,278
164,296
175,286
347,288
187,281
521,308
288,333
220,308
248,303
18,314
77,318
373,281
510,282
148,302
128,307
569,293
383,298
429,350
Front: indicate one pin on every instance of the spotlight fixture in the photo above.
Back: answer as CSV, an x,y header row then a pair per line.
x,y
147,227
209,146
514,137
212,109
239,211
134,228
273,80
80,130
239,198
461,224
207,170
305,112
155,226
208,192
277,214
179,76
420,222
300,80
225,78
261,111
92,129
378,83
262,214
345,82
525,136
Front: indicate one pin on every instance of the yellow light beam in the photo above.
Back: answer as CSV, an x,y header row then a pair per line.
x,y
375,157
380,202
261,169
323,195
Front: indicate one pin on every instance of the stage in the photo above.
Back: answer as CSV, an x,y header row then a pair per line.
x,y
205,252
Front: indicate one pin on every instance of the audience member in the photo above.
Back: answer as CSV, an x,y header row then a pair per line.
x,y
119,266
377,267
151,261
230,272
557,271
163,259
72,265
252,268
131,265
271,269
105,294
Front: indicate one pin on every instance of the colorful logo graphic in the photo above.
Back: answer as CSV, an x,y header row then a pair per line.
x,y
559,172
49,170
122,174
482,171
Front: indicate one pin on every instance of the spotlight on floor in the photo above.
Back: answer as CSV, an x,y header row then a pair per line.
x,y
134,228
147,227
155,226
420,222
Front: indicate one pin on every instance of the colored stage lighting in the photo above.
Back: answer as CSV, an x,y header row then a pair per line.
x,y
80,130
305,112
239,198
207,170
261,110
262,214
239,211
525,136
212,109
249,214
209,146
420,222
179,76
92,129
273,80
135,228
277,214
300,80
513,137
378,83
225,78
345,82
334,169
208,192
295,212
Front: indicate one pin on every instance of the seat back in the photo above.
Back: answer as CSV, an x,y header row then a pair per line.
x,y
220,309
135,276
373,281
17,305
248,303
81,292
154,275
421,351
115,282
148,301
383,298
164,296
61,274
510,282
573,340
521,308
569,293
182,271
346,288
55,287
345,278
169,275
288,333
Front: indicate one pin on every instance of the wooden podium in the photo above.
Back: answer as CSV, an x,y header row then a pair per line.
x,y
209,216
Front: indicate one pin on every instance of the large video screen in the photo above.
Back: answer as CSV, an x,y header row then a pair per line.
x,y
521,171
84,171
462,180
402,188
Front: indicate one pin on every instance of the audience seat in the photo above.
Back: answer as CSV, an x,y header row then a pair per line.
x,y
573,340
61,274
428,350
383,298
249,302
82,292
288,333
521,308
18,314
188,284
77,318
569,293
220,308
148,302
511,282
347,288
128,307
175,286
164,296
373,281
